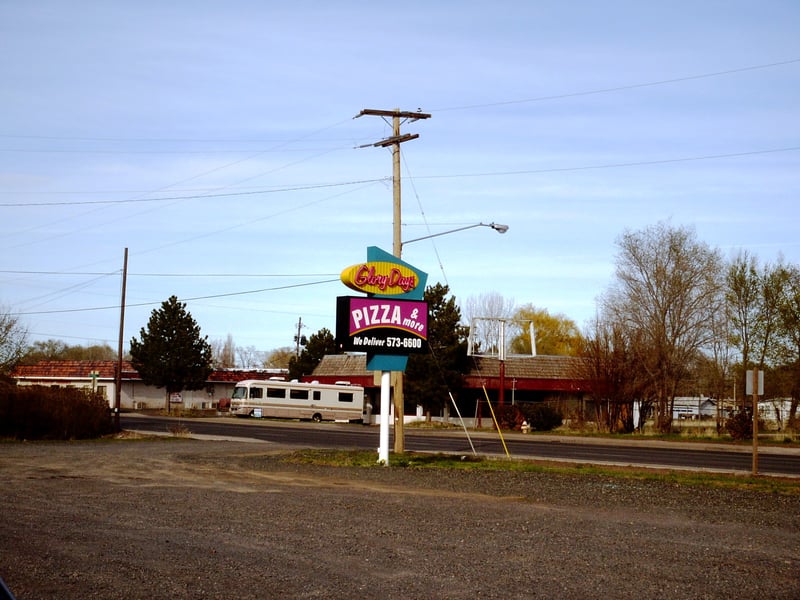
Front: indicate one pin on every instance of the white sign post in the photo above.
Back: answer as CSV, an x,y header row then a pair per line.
x,y
383,438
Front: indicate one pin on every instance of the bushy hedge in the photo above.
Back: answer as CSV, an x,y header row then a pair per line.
x,y
509,417
740,424
540,416
44,413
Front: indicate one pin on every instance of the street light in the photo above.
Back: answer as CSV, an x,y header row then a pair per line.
x,y
498,227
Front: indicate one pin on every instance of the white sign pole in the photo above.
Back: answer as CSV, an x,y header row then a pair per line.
x,y
386,393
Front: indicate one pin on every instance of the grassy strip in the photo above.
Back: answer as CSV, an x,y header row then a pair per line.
x,y
410,460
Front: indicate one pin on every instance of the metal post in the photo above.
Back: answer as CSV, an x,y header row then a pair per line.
x,y
502,356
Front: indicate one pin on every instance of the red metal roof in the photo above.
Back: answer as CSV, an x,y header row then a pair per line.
x,y
54,370
544,373
536,373
541,373
74,369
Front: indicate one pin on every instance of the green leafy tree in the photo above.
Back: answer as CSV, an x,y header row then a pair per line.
x,y
753,299
790,326
554,334
171,353
429,377
317,346
45,350
58,350
279,358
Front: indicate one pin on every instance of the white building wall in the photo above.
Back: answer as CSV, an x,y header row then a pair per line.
x,y
135,395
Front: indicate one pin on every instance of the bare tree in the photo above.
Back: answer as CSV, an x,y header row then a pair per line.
x,y
13,341
228,357
718,364
484,314
667,287
610,363
224,353
248,357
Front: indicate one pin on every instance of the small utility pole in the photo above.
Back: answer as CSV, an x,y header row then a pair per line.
x,y
298,338
397,243
754,382
755,421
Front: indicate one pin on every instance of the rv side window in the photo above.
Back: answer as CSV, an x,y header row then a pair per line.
x,y
345,396
317,395
256,392
276,393
298,394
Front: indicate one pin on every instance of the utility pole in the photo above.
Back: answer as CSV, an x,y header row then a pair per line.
x,y
298,339
118,374
397,243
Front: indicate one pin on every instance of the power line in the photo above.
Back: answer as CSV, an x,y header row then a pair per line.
x,y
640,163
197,196
249,222
211,151
212,296
166,140
386,179
171,274
72,288
622,87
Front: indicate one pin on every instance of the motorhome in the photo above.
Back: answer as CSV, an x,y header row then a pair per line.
x,y
296,400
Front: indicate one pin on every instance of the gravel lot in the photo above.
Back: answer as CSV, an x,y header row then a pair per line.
x,y
211,519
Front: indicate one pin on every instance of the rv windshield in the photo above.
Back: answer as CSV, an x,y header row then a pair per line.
x,y
239,392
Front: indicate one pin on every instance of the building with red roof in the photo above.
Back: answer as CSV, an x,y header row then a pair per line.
x,y
101,375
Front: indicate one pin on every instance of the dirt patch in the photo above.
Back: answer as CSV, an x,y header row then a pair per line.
x,y
199,519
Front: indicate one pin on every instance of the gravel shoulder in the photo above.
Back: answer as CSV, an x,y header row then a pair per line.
x,y
182,518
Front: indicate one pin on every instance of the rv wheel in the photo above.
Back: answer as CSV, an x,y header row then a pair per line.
x,y
316,418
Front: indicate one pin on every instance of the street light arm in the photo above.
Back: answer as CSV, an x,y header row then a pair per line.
x,y
498,227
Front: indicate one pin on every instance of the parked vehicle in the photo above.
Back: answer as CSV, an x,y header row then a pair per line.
x,y
295,400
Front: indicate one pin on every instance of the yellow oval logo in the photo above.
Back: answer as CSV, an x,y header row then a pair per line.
x,y
380,278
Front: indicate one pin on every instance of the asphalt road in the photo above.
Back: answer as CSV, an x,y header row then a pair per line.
x,y
693,456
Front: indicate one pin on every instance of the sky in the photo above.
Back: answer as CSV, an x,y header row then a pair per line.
x,y
217,142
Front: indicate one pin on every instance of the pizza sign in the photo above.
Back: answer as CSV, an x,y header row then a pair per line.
x,y
381,325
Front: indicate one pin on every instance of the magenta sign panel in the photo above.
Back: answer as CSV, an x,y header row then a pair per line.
x,y
381,325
